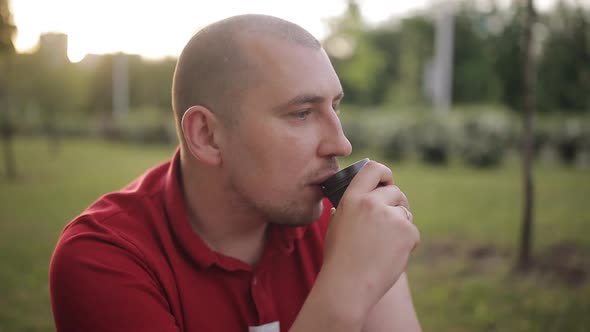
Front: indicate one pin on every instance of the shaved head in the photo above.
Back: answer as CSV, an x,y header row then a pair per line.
x,y
216,68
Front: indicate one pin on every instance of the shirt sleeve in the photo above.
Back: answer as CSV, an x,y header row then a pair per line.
x,y
99,284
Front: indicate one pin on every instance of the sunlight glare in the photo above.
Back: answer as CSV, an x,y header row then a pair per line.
x,y
157,29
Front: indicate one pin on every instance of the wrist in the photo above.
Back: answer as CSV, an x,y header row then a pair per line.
x,y
335,303
345,297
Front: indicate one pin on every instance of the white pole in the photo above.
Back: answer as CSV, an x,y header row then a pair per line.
x,y
443,61
120,85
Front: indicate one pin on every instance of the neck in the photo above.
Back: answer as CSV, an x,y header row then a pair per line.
x,y
223,225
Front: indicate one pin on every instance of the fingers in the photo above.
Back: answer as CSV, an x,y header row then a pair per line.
x,y
404,213
411,231
376,180
390,195
407,213
370,176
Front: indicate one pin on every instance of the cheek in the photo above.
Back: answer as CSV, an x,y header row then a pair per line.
x,y
272,152
291,148
252,153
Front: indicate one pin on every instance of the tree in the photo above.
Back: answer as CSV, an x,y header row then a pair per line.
x,y
564,68
508,58
415,48
7,50
474,77
354,56
529,86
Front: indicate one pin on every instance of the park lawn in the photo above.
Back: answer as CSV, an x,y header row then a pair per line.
x,y
461,275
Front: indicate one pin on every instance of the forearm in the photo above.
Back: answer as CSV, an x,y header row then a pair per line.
x,y
335,303
331,306
395,311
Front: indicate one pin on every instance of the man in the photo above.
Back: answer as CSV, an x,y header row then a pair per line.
x,y
231,234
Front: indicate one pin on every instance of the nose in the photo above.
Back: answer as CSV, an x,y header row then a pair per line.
x,y
334,143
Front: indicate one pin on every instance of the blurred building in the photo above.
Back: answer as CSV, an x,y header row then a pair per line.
x,y
53,47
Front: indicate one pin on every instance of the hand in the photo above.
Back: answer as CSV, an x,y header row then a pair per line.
x,y
369,239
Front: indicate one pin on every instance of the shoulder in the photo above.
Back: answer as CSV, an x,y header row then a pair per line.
x,y
126,219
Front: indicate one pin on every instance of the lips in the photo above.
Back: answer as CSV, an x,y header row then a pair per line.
x,y
323,177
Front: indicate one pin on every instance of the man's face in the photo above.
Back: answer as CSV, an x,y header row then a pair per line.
x,y
287,134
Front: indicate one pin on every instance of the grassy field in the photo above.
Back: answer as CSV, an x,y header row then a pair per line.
x,y
461,275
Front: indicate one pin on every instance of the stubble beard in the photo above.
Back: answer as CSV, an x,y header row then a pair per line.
x,y
289,213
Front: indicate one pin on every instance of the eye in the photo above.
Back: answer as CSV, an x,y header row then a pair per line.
x,y
301,115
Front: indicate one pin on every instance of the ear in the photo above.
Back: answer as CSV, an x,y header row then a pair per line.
x,y
199,127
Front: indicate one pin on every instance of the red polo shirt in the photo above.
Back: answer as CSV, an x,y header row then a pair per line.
x,y
131,262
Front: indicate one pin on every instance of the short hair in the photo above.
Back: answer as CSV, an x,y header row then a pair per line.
x,y
214,68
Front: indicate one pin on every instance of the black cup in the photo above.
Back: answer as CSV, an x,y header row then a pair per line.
x,y
335,186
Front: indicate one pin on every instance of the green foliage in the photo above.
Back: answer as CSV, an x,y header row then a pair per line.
x,y
386,41
508,58
484,140
356,134
7,29
358,62
387,63
570,141
150,83
433,139
564,68
398,144
360,72
477,136
474,74
381,64
416,40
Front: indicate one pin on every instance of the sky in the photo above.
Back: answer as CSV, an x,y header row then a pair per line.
x,y
159,28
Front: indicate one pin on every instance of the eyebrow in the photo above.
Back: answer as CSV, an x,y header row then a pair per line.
x,y
305,99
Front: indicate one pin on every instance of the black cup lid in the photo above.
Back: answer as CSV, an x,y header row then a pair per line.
x,y
343,176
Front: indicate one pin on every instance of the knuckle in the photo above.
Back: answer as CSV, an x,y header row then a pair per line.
x,y
385,169
372,163
367,202
404,196
411,231
378,166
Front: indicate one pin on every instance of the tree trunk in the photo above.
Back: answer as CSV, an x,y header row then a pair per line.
x,y
529,81
6,126
7,143
51,131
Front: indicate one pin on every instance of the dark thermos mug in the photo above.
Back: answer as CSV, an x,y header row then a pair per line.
x,y
335,186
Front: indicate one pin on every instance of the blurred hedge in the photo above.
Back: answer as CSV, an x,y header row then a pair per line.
x,y
477,139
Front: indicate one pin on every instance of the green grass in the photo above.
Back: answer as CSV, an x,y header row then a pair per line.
x,y
49,192
461,275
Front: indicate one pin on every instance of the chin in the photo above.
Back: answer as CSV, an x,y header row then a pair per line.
x,y
302,218
312,215
297,212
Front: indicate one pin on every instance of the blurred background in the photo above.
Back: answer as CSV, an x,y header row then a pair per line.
x,y
481,108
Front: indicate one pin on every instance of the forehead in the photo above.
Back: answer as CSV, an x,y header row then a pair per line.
x,y
286,69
